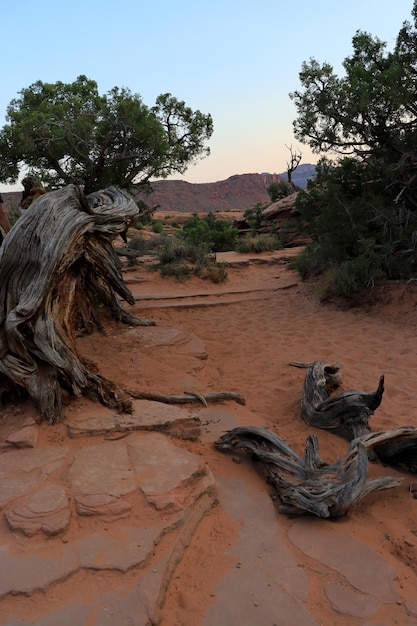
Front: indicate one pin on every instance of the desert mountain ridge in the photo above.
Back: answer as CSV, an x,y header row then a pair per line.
x,y
238,192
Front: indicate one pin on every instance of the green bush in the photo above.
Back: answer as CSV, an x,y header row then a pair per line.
x,y
216,234
253,216
157,226
182,259
279,189
360,233
145,246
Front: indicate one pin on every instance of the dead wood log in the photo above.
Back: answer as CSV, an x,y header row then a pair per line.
x,y
190,397
309,485
347,413
396,447
57,269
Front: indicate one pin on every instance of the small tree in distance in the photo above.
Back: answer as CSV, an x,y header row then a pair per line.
x,y
279,189
292,164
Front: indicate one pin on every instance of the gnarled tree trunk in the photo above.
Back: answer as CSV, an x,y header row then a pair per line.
x,y
347,413
309,485
57,265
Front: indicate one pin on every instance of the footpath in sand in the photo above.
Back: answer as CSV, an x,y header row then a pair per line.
x,y
110,519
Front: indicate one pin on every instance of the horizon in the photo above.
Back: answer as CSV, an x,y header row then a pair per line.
x,y
235,61
19,189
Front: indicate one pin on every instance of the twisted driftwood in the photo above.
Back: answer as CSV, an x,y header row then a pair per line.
x,y
397,447
310,485
189,397
347,413
57,267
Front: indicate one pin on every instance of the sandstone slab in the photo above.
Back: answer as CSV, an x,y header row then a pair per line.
x,y
178,338
23,435
348,602
21,471
121,548
266,586
46,510
167,474
100,476
101,504
34,570
130,547
365,569
147,415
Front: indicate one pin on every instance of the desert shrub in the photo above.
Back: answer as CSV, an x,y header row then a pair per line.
x,y
182,259
259,243
216,234
174,249
157,226
253,216
138,243
215,272
359,232
279,189
146,246
311,261
180,269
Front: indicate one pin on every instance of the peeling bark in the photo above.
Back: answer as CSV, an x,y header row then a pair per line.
x,y
347,413
57,268
309,485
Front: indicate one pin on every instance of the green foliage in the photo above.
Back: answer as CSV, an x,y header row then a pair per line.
x,y
179,258
67,133
157,226
182,259
140,244
216,234
357,231
369,113
361,211
253,216
279,189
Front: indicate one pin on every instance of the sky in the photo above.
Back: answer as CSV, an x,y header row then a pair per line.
x,y
235,59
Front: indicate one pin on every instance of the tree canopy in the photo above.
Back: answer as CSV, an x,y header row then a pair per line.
x,y
69,133
367,119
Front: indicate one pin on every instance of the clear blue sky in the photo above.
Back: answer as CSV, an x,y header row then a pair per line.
x,y
236,60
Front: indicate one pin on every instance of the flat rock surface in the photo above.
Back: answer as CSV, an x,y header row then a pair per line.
x,y
23,470
362,567
110,519
146,415
47,510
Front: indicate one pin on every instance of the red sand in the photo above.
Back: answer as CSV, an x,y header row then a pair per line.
x,y
250,339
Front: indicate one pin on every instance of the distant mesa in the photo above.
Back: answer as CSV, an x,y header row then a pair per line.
x,y
238,193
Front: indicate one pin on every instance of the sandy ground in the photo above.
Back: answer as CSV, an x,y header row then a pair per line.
x,y
250,343
252,326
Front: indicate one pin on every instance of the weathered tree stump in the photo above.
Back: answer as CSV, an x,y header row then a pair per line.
x,y
57,267
396,447
347,413
309,485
